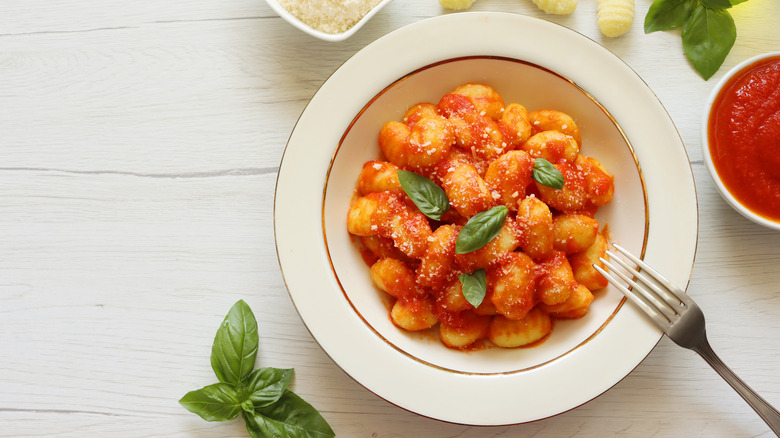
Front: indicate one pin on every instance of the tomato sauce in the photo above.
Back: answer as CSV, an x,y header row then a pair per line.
x,y
744,133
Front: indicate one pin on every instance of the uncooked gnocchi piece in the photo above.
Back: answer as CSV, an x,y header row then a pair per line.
x,y
456,4
615,16
558,7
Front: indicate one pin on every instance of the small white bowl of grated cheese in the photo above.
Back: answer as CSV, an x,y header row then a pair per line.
x,y
329,20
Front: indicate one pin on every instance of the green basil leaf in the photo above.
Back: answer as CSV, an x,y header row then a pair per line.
x,y
546,174
716,4
480,229
426,195
736,2
474,287
266,385
235,345
668,14
707,38
247,406
290,417
217,402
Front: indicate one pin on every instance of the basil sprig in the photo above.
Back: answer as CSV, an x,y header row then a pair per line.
x,y
707,38
474,286
546,174
261,396
426,195
234,350
708,30
480,229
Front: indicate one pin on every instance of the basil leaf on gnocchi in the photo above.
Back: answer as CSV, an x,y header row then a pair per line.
x,y
546,174
474,287
426,195
481,229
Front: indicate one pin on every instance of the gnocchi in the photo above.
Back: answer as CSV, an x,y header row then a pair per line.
x,y
558,7
615,16
481,153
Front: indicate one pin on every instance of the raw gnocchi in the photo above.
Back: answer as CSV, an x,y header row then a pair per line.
x,y
558,7
481,152
615,16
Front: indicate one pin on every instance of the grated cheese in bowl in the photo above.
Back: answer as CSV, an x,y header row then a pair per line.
x,y
332,20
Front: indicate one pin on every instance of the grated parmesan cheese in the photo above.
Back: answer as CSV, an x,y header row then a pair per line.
x,y
329,16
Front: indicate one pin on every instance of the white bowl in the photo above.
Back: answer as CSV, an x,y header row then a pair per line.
x,y
705,142
295,21
623,125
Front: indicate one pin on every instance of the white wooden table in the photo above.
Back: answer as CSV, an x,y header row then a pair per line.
x,y
139,145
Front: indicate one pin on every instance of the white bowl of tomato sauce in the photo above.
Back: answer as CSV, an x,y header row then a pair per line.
x,y
741,138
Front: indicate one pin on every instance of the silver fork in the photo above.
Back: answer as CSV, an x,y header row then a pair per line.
x,y
675,313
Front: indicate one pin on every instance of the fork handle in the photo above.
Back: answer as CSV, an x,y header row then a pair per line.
x,y
768,413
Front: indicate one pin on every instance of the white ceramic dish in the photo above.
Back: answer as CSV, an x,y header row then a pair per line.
x,y
295,21
705,142
622,123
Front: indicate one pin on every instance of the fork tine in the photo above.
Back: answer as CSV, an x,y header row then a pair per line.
x,y
651,312
669,287
655,298
652,301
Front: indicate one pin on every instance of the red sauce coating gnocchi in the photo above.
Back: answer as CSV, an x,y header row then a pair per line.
x,y
481,152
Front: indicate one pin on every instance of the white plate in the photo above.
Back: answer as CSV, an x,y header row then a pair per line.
x,y
653,211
